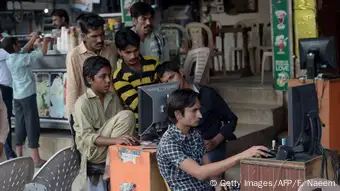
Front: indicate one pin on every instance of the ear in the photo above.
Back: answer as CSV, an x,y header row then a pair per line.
x,y
178,115
83,36
89,80
134,21
182,74
119,52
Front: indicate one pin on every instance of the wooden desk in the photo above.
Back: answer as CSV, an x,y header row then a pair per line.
x,y
136,166
269,175
329,110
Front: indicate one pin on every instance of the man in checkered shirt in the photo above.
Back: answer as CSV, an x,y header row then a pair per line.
x,y
181,155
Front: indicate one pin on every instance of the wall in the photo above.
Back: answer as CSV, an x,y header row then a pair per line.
x,y
263,15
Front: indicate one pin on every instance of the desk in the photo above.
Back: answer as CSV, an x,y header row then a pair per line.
x,y
329,108
131,164
279,175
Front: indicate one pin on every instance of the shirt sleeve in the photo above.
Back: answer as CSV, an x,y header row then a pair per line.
x,y
29,58
173,153
84,125
228,117
72,83
126,92
4,126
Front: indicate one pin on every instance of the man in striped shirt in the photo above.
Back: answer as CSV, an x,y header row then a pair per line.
x,y
133,70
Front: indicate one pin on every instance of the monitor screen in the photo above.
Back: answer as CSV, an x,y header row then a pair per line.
x,y
152,100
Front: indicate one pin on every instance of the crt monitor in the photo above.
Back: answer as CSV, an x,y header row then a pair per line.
x,y
316,54
152,100
304,123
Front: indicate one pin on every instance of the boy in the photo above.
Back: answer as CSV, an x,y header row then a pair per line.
x,y
180,153
133,70
98,118
27,124
218,122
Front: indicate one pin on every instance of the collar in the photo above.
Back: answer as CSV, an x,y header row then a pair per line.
x,y
177,133
82,48
90,94
126,68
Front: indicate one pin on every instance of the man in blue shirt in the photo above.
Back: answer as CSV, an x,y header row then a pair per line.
x,y
27,124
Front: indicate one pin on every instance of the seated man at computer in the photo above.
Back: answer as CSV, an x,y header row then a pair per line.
x,y
133,70
99,119
218,122
181,156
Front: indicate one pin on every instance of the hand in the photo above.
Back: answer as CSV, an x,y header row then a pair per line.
x,y
1,148
125,140
210,144
34,35
255,151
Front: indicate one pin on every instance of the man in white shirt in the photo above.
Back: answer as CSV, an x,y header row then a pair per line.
x,y
7,98
4,128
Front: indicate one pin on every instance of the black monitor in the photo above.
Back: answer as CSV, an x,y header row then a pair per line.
x,y
304,122
152,116
316,54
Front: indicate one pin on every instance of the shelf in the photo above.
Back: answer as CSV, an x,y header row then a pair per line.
x,y
110,14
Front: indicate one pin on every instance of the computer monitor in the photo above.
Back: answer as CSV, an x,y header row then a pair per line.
x,y
317,53
304,123
152,100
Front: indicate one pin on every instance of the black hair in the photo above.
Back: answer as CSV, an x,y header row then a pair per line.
x,y
179,100
92,65
61,13
168,66
140,9
7,44
87,21
126,37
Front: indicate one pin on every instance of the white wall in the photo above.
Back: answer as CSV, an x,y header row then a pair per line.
x,y
263,15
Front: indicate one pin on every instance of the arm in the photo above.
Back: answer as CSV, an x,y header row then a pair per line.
x,y
228,117
72,83
84,126
29,45
127,93
165,50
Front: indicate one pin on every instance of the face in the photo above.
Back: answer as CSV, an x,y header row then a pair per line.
x,y
191,117
58,22
16,47
101,81
130,55
94,40
144,23
173,77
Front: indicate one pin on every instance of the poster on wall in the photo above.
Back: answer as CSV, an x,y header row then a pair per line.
x,y
57,106
43,94
125,7
282,42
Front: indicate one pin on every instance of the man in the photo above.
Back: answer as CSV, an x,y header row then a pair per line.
x,y
92,28
133,70
180,154
60,18
218,122
152,43
7,96
99,120
3,128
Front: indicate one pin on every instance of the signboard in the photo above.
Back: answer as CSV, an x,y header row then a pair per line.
x,y
282,42
125,6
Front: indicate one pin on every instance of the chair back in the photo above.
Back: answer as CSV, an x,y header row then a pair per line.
x,y
59,172
195,32
16,173
196,63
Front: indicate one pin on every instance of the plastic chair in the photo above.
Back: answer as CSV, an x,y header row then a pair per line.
x,y
196,63
319,183
16,173
58,173
264,58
